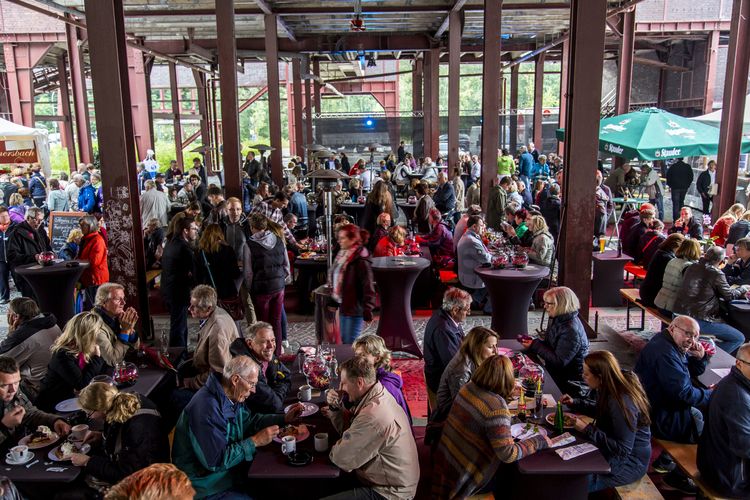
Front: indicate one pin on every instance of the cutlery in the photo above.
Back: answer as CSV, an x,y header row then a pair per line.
x,y
33,463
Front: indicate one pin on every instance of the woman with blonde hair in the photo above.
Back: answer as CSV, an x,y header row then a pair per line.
x,y
155,482
542,243
76,359
372,348
379,201
132,437
565,344
621,426
392,244
383,224
720,230
17,208
217,263
72,245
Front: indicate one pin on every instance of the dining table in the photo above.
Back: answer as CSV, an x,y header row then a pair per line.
x,y
739,316
607,278
395,277
356,210
510,291
54,286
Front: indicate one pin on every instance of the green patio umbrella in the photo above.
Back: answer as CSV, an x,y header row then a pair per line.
x,y
655,134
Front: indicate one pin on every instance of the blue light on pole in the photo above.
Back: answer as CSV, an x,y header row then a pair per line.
x,y
369,122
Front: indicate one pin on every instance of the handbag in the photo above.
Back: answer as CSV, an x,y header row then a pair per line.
x,y
233,305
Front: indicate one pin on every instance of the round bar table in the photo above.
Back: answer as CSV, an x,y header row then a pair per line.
x,y
607,279
395,277
739,316
53,286
510,291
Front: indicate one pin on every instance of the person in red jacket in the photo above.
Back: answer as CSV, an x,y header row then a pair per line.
x,y
94,250
392,244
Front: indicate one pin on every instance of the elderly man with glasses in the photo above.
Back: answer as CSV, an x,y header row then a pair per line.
x,y
119,332
28,240
724,446
666,367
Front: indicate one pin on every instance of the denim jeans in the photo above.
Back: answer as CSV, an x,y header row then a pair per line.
x,y
728,337
658,202
178,324
351,327
678,200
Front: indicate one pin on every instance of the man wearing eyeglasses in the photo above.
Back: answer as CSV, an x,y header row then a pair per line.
x,y
724,446
28,240
666,367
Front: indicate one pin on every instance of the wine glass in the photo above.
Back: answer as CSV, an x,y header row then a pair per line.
x,y
142,356
164,343
307,367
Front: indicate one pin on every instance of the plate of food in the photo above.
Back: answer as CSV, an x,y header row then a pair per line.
x,y
307,255
569,420
526,431
300,432
63,452
41,437
68,406
310,409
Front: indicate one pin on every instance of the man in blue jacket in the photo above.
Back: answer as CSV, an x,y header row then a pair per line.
x,y
525,164
724,446
38,185
665,367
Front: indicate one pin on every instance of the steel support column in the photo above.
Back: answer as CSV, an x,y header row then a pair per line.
x,y
431,103
176,125
230,118
291,123
308,112
215,126
563,92
513,136
20,59
139,102
712,52
148,65
67,123
418,107
454,86
200,84
733,106
316,86
114,125
491,96
625,62
274,97
538,98
585,65
80,94
297,92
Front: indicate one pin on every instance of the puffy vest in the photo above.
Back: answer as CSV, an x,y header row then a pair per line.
x,y
268,267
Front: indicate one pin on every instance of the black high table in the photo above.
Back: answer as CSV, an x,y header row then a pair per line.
x,y
607,279
53,286
395,277
510,291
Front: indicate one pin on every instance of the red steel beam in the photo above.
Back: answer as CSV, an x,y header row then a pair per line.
x,y
563,92
733,106
114,123
174,91
291,124
432,103
538,97
625,62
513,136
712,53
308,111
20,59
417,106
205,130
139,102
67,124
585,66
454,85
316,86
297,93
274,97
681,26
490,96
230,121
80,93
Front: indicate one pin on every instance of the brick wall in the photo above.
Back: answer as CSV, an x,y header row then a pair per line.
x,y
17,19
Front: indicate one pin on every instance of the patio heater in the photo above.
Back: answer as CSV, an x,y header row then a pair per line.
x,y
373,146
327,180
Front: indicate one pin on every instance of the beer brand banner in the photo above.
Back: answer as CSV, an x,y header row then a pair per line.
x,y
18,152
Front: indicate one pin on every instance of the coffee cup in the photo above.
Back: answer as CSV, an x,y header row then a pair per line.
x,y
78,432
288,445
304,393
321,442
18,453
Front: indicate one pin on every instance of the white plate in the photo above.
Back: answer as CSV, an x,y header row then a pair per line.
x,y
10,461
310,409
68,406
51,455
34,446
519,431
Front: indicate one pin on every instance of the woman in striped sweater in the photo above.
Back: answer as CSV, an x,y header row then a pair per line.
x,y
476,438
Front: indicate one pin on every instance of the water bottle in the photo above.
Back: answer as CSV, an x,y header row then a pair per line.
x,y
538,401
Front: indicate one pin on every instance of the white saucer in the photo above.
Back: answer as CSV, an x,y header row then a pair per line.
x,y
68,406
10,461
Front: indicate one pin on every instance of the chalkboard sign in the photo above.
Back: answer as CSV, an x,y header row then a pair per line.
x,y
60,224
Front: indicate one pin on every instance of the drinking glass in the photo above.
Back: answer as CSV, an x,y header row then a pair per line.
x,y
164,342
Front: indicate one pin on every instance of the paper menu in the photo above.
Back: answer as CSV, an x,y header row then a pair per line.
x,y
721,372
575,451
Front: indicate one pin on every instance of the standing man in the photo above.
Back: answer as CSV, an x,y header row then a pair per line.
x,y
178,278
525,164
200,170
154,205
252,167
704,185
445,196
401,152
37,185
679,179
476,170
472,253
72,190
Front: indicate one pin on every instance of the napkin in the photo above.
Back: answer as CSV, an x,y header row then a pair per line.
x,y
562,440
575,451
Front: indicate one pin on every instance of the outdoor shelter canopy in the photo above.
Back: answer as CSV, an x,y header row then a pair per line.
x,y
655,134
714,119
14,137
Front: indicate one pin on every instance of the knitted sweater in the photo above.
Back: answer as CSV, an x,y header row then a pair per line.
x,y
475,440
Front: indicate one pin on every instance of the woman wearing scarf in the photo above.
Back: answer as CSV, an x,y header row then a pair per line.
x,y
351,281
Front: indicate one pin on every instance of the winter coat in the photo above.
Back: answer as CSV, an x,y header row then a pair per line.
x,y
386,247
456,375
38,185
378,446
394,384
445,198
720,231
551,209
265,263
442,339
17,213
179,273
691,229
154,204
471,253
57,201
702,287
544,247
563,349
30,346
358,289
220,270
64,376
652,283
130,446
666,374
69,251
33,418
674,274
724,446
496,208
647,247
525,164
114,344
703,184
87,199
216,334
212,438
5,240
632,240
679,175
440,242
738,230
25,244
273,385
94,250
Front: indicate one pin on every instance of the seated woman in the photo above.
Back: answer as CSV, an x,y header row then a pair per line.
x,y
542,244
621,429
479,344
565,344
439,240
652,283
76,359
392,244
70,250
373,348
649,243
720,230
688,253
688,225
631,236
476,437
383,224
132,437
518,231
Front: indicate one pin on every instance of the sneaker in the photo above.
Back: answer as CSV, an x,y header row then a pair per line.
x,y
680,482
663,464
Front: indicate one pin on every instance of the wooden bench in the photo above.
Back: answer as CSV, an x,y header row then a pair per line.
x,y
685,456
633,298
642,489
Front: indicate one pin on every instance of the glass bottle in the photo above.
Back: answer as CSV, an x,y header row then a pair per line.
x,y
559,421
522,406
538,401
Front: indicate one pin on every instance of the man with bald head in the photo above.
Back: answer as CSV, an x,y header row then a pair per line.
x,y
666,367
